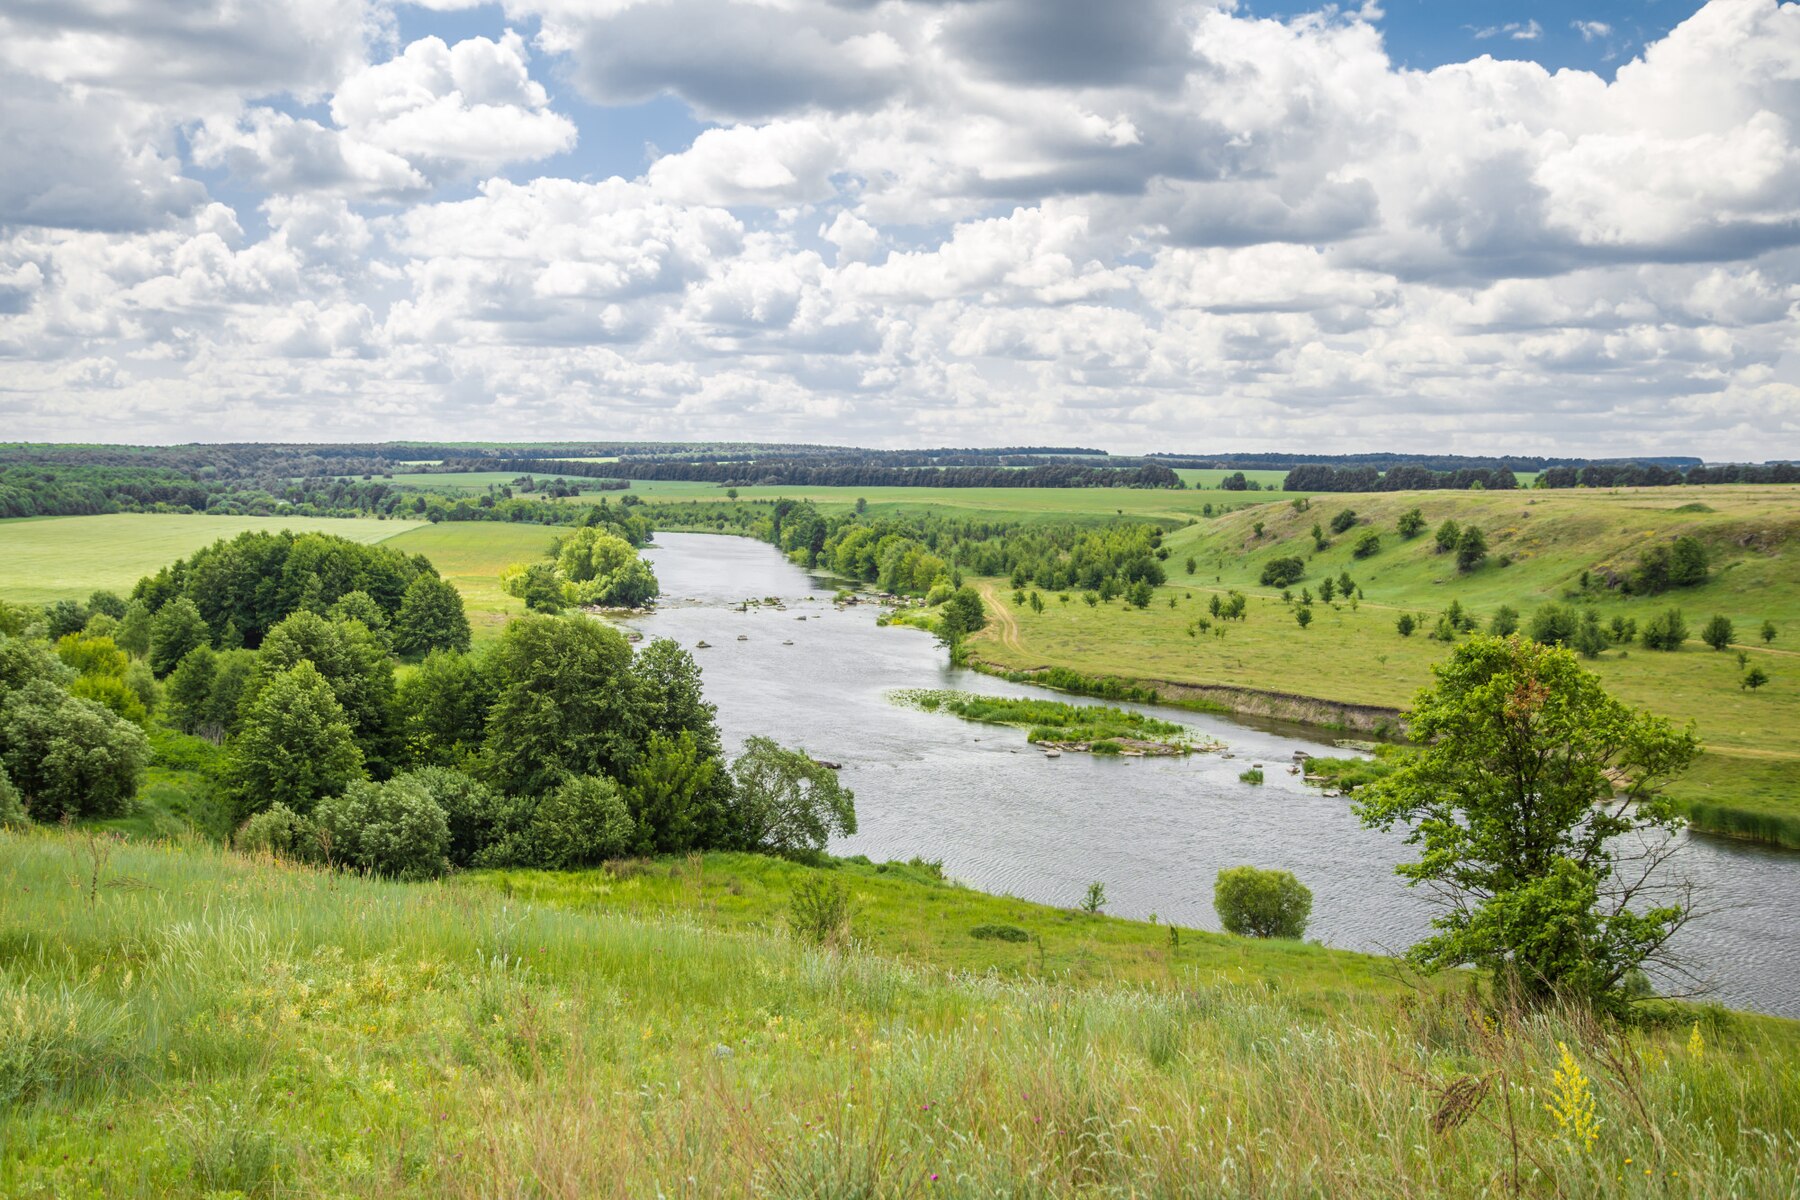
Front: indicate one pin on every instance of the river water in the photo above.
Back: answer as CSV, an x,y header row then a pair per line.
x,y
1004,818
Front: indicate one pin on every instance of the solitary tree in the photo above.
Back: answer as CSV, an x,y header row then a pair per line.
x,y
1471,549
1265,904
1719,632
1411,524
1526,776
1447,535
1303,615
1754,678
1768,632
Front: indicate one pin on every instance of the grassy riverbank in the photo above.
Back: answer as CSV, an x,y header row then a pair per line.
x,y
203,1024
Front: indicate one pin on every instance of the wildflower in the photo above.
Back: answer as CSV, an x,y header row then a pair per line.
x,y
1696,1046
1573,1103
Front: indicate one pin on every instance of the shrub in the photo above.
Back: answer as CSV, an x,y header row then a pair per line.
x,y
1343,520
1303,616
1000,933
1505,621
1253,775
278,830
472,810
819,911
786,802
1754,678
1665,631
1283,572
393,828
1265,904
1719,632
68,756
1095,898
1411,523
1553,625
1471,549
1367,545
1589,640
581,823
1447,535
12,812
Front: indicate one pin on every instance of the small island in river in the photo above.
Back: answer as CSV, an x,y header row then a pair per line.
x,y
1056,725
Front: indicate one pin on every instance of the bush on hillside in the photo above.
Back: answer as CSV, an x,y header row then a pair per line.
x,y
1256,903
1283,572
394,829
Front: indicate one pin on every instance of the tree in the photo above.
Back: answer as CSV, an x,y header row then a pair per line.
x,y
1665,631
1590,641
294,745
581,822
669,699
68,756
1554,625
1447,535
1283,572
563,704
1328,589
1303,615
431,618
1343,520
1504,622
1471,549
1768,632
1754,678
1718,632
190,687
176,628
1367,545
108,603
1525,773
443,706
1688,563
1406,624
1191,564
1411,524
133,634
360,606
357,668
786,802
1266,904
961,615
393,828
473,812
12,809
1138,595
674,797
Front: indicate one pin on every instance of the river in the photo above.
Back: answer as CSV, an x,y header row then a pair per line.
x,y
1004,818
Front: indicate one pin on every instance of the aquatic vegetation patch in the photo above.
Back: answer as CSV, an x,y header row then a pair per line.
x,y
1053,724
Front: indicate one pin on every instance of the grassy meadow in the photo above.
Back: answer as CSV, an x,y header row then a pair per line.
x,y
471,555
57,558
181,1021
1749,781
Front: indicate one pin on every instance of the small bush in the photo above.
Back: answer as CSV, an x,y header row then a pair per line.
x,y
1719,632
280,831
1000,933
819,911
1368,544
1265,904
393,828
1344,519
1665,631
1283,572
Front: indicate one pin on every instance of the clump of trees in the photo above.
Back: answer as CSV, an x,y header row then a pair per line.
x,y
589,567
1252,902
1526,777
1660,567
1283,572
63,754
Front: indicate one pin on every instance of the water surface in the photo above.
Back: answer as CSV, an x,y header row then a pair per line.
x,y
1004,818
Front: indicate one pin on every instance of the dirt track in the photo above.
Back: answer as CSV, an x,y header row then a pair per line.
x,y
1005,627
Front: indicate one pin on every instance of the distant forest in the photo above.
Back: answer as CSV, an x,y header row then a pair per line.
x,y
356,479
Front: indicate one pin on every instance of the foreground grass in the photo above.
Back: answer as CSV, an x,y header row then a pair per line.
x,y
57,558
209,1025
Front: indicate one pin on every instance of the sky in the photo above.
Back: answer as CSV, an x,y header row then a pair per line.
x,y
1470,226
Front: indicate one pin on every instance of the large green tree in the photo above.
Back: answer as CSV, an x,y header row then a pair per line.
x,y
431,618
355,665
69,757
293,746
443,705
176,628
788,803
563,704
1534,798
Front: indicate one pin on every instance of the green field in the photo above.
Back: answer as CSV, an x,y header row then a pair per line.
x,y
1354,654
471,555
55,558
201,1024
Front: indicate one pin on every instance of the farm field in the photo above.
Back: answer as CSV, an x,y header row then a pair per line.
x,y
55,558
229,1025
1354,654
471,555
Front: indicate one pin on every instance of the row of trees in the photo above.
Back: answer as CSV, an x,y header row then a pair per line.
x,y
849,470
1319,478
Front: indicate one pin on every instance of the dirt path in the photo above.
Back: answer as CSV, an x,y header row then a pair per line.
x,y
1005,627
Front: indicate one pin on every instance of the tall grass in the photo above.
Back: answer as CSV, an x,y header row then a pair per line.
x,y
232,1026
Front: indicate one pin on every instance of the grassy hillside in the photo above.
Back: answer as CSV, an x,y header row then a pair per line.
x,y
1749,782
471,555
53,558
205,1025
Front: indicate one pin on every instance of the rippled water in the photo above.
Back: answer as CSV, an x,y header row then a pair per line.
x,y
1004,818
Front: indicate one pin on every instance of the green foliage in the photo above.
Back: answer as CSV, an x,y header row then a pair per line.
x,y
581,822
473,812
113,694
1754,678
431,618
675,795
563,704
1343,520
999,933
1590,641
1265,904
12,809
394,829
1094,899
360,606
534,583
1411,524
1405,624
353,663
1471,548
443,705
1525,773
294,746
1719,632
69,757
1283,572
1303,616
592,567
1448,535
190,687
1554,625
133,634
1504,622
786,803
1252,775
86,654
1367,545
819,911
1683,563
1049,720
280,831
1768,633
961,615
176,629
1665,631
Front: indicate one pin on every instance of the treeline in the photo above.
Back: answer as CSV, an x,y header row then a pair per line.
x,y
775,472
928,555
1610,475
1382,461
1404,478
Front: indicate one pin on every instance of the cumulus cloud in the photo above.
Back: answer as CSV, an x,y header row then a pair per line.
x,y
907,221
